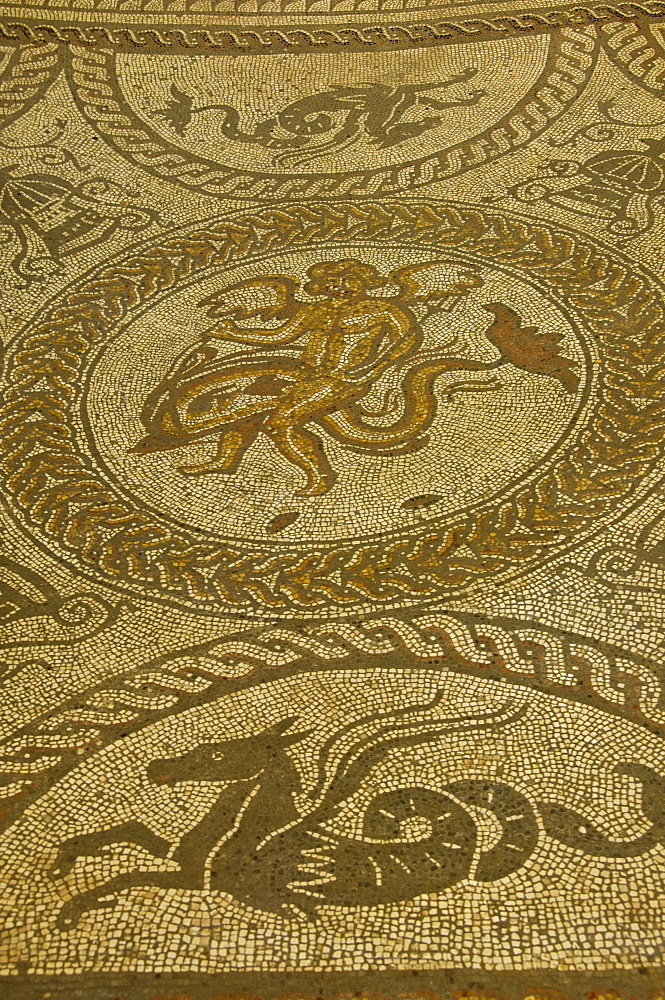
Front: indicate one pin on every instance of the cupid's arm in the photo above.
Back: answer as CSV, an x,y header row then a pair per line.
x,y
226,329
395,336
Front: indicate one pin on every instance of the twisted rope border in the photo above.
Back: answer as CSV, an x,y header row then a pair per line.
x,y
537,656
345,35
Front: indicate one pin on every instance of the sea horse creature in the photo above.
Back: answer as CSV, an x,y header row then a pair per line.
x,y
273,847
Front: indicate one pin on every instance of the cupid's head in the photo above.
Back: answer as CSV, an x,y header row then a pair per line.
x,y
342,280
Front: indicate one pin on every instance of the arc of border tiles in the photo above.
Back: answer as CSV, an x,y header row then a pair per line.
x,y
29,73
565,663
636,52
289,37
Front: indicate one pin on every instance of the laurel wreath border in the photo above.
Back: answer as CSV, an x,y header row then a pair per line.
x,y
55,489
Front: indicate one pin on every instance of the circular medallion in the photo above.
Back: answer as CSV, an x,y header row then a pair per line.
x,y
339,406
435,420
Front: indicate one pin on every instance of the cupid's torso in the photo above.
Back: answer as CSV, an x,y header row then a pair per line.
x,y
353,340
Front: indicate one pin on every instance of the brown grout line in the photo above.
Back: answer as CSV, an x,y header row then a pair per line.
x,y
192,987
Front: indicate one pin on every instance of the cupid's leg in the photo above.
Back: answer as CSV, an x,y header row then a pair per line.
x,y
302,448
231,448
226,396
208,411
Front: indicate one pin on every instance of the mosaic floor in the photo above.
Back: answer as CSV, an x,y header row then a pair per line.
x,y
332,578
